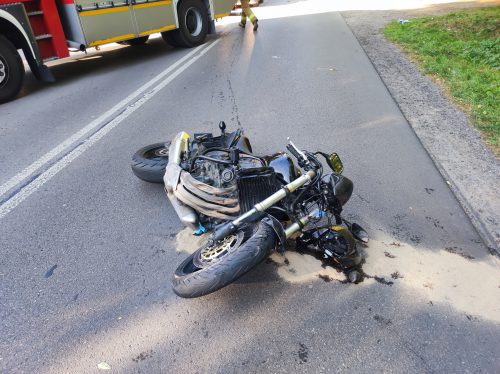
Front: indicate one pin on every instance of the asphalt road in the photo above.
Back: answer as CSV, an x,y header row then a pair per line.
x,y
88,249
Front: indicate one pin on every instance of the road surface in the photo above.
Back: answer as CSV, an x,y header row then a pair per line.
x,y
88,249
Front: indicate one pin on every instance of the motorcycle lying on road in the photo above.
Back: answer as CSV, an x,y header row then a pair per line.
x,y
251,205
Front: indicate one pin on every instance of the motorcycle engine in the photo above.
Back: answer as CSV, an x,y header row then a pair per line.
x,y
221,175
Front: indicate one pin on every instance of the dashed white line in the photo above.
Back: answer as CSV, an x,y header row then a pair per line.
x,y
36,183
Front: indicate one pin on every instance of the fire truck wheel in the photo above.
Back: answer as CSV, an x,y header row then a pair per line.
x,y
136,41
193,23
11,71
171,38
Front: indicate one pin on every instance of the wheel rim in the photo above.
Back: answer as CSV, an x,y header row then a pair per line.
x,y
3,72
157,153
193,21
220,248
162,152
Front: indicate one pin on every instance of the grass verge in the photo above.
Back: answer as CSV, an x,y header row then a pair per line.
x,y
461,50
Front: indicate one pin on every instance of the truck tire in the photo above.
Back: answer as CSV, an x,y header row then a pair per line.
x,y
136,41
221,266
193,25
149,162
170,38
11,71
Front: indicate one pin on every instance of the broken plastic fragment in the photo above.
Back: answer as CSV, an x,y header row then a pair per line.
x,y
201,230
104,366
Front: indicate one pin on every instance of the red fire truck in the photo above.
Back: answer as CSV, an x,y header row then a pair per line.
x,y
47,30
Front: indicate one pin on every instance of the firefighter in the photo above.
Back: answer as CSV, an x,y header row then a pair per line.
x,y
247,12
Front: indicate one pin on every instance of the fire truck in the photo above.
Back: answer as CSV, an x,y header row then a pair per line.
x,y
47,30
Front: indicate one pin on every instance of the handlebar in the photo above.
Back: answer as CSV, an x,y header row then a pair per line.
x,y
298,154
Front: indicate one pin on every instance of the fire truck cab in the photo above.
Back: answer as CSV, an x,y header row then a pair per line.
x,y
47,30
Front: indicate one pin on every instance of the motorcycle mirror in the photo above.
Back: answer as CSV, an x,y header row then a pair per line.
x,y
335,163
222,127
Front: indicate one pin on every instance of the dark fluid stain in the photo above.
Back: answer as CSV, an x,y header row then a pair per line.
x,y
50,272
458,251
378,279
396,275
287,262
270,261
382,320
390,255
143,356
303,353
326,278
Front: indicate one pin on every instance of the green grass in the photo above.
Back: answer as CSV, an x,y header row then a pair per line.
x,y
462,51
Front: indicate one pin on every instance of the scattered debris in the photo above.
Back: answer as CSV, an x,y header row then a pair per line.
x,y
428,285
429,190
326,278
378,279
50,272
303,353
387,254
458,251
143,355
471,318
103,366
382,320
396,275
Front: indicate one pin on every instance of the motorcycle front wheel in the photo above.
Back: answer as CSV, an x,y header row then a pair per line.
x,y
212,267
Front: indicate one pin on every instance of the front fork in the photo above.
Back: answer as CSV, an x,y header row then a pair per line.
x,y
254,213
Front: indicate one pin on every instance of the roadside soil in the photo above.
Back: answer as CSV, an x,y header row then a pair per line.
x,y
469,167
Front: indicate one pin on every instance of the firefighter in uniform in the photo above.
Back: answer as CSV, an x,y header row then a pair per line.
x,y
247,12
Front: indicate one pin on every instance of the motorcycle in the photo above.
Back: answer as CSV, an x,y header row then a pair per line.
x,y
251,205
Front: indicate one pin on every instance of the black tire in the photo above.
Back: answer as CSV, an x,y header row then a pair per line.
x,y
141,40
193,25
11,71
170,38
190,281
149,162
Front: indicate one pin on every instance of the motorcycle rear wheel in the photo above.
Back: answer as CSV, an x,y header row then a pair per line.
x,y
229,263
149,162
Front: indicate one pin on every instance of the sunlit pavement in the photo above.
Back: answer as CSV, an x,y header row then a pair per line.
x,y
88,256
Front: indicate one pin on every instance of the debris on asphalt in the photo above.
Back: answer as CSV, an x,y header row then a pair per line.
x,y
396,275
103,366
457,251
50,272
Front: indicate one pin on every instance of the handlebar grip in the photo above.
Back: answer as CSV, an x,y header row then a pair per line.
x,y
294,152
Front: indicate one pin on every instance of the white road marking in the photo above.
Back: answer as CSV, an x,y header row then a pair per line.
x,y
46,158
39,181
